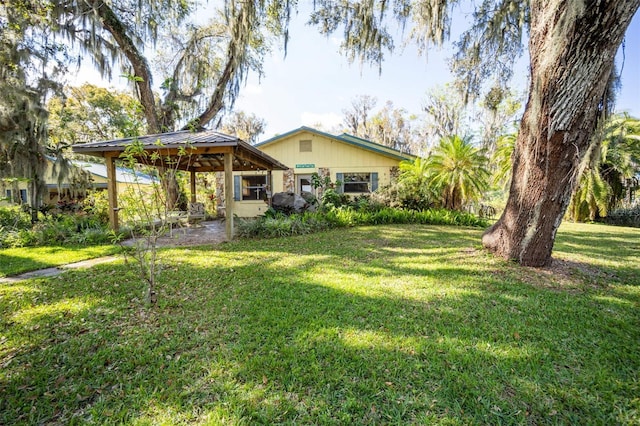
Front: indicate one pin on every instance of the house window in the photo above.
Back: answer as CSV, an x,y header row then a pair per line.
x,y
358,183
23,196
305,146
8,194
251,187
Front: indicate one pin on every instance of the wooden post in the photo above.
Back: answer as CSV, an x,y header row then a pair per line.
x,y
112,192
228,194
193,186
270,188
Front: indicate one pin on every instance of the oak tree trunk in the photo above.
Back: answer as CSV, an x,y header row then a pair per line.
x,y
572,49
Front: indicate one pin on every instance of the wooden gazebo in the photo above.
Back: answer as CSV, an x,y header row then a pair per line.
x,y
192,151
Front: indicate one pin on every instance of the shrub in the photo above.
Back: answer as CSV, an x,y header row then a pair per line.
x,y
96,205
624,217
77,229
13,217
405,197
280,225
332,198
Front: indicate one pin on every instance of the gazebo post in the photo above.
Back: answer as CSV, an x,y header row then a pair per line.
x,y
270,189
208,145
228,194
112,192
192,181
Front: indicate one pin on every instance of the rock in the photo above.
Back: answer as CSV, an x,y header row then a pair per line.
x,y
288,202
312,201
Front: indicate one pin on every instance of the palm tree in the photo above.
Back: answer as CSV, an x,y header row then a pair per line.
x,y
612,162
413,184
502,160
458,171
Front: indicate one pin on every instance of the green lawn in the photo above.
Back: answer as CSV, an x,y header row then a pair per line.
x,y
15,261
371,325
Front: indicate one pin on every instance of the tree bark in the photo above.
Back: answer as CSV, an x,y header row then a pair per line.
x,y
143,75
572,49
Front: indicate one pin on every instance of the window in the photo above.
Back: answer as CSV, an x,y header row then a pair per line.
x,y
9,195
250,187
357,183
23,196
305,146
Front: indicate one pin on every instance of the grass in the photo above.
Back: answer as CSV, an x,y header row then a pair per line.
x,y
397,324
15,261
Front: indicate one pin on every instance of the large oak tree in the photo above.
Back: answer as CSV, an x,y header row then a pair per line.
x,y
201,66
572,46
572,49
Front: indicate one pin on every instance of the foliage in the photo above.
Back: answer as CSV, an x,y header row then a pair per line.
x,y
446,114
458,172
591,198
29,66
322,183
556,112
609,170
14,217
247,127
89,113
332,198
359,214
74,229
356,119
497,117
381,325
502,159
414,190
624,217
147,209
389,126
96,204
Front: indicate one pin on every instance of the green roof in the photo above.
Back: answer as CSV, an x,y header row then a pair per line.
x,y
348,139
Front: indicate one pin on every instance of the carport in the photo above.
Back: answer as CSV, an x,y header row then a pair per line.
x,y
191,151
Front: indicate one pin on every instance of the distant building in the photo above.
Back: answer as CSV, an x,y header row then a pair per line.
x,y
361,167
86,176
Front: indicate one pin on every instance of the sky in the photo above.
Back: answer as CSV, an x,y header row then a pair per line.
x,y
314,83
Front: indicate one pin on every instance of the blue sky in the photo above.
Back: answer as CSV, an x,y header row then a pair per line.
x,y
314,83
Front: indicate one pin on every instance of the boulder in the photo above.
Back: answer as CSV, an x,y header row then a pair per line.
x,y
288,202
312,201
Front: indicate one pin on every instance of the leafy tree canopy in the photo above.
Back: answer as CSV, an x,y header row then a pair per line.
x,y
88,113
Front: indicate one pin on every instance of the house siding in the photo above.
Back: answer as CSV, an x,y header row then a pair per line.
x,y
329,156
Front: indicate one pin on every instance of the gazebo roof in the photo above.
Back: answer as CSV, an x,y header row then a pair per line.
x,y
199,151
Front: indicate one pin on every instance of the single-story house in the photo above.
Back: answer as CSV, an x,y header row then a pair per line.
x,y
359,165
86,175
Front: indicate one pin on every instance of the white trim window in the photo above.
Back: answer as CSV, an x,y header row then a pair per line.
x,y
250,187
358,182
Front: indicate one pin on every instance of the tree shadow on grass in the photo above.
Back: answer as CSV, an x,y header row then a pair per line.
x,y
352,333
11,265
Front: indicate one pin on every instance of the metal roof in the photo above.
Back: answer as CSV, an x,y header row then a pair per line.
x,y
205,150
123,175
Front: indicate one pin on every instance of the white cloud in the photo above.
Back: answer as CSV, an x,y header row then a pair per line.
x,y
327,119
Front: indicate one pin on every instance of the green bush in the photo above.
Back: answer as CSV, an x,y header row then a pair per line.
x,y
96,205
14,217
624,217
77,229
280,225
332,198
404,197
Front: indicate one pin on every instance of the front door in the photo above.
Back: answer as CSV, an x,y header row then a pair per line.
x,y
303,184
